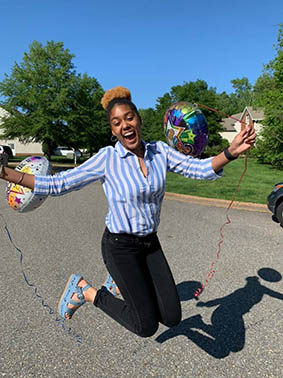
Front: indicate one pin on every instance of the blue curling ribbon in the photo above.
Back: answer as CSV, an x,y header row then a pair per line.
x,y
58,319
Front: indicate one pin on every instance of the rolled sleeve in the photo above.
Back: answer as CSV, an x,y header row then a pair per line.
x,y
210,174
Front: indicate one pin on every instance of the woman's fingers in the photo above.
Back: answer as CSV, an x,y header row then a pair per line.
x,y
251,137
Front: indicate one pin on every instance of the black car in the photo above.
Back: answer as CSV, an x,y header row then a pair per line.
x,y
6,149
275,203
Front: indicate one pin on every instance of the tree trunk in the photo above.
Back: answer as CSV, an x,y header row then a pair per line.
x,y
90,151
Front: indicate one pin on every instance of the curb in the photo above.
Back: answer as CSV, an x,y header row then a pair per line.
x,y
217,202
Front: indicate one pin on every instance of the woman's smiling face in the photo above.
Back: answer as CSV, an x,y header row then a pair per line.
x,y
126,126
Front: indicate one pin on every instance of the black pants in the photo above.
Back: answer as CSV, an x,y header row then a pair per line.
x,y
139,268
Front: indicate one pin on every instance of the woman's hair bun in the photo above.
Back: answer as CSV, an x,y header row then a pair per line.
x,y
116,92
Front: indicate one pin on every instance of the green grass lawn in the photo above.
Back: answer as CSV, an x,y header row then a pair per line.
x,y
255,187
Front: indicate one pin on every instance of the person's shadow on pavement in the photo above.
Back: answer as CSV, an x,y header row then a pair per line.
x,y
226,333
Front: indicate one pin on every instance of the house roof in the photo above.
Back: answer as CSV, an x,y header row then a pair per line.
x,y
255,114
228,124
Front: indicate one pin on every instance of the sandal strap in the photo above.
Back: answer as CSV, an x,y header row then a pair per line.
x,y
66,298
69,311
86,287
111,285
79,290
76,303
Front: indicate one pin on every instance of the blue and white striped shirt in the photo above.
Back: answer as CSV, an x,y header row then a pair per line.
x,y
134,201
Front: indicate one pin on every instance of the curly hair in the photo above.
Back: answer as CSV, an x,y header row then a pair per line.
x,y
116,92
118,96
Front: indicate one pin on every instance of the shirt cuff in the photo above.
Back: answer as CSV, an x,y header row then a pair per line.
x,y
212,175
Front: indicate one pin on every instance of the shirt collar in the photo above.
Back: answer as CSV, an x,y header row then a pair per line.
x,y
123,152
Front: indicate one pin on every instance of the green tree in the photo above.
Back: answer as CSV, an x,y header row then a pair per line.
x,y
269,147
264,84
37,95
243,95
192,92
161,107
227,104
152,125
87,122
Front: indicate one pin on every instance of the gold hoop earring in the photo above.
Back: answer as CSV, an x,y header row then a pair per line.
x,y
113,138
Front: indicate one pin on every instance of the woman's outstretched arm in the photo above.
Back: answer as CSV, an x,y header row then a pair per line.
x,y
21,178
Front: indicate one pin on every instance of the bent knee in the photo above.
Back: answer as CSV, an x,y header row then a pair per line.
x,y
172,320
147,329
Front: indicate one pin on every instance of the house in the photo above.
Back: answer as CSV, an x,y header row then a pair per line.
x,y
19,148
232,126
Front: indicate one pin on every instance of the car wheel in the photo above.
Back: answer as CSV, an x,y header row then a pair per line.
x,y
279,213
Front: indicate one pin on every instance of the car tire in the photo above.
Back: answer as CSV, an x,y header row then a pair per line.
x,y
279,213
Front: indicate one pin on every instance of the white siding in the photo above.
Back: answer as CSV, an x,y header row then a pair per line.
x,y
230,135
17,146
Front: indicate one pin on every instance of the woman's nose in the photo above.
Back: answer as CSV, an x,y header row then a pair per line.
x,y
125,124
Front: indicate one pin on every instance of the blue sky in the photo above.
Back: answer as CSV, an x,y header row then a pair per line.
x,y
148,45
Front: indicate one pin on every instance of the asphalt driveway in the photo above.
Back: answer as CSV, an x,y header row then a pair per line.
x,y
234,329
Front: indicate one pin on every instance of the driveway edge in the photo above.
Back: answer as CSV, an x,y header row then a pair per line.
x,y
217,202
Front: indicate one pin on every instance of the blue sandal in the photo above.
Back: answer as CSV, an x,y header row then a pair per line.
x,y
66,298
111,285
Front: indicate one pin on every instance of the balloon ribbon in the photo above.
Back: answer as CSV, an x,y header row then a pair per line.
x,y
58,319
228,221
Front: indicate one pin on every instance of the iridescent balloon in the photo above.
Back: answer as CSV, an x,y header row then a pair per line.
x,y
186,128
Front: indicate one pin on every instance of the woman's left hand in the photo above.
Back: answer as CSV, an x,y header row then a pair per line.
x,y
243,141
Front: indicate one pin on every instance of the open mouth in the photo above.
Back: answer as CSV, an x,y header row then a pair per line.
x,y
130,135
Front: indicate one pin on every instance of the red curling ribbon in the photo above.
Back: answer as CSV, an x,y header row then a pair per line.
x,y
220,112
228,221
